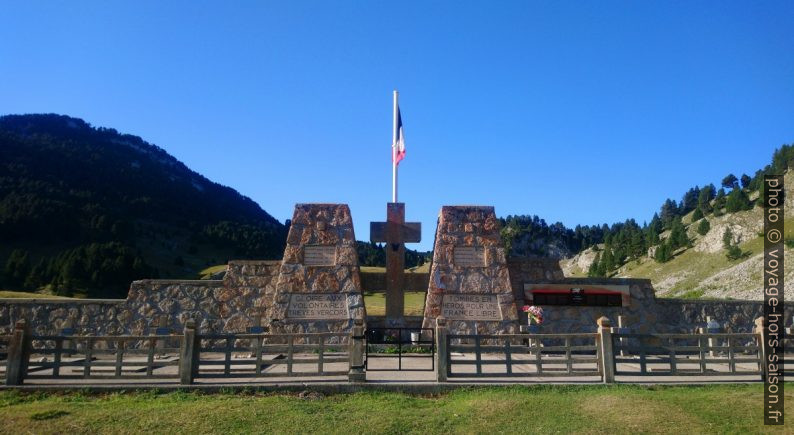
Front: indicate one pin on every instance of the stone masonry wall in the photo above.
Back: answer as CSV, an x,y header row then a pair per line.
x,y
248,288
646,313
531,270
326,225
470,227
231,305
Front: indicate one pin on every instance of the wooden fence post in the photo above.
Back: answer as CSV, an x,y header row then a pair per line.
x,y
607,356
356,372
442,353
760,329
189,354
18,354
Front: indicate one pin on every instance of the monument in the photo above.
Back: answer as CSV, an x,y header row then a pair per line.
x,y
469,279
318,287
395,232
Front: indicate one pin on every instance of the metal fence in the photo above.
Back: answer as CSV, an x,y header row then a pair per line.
x,y
416,345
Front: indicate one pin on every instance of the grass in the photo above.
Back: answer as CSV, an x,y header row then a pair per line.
x,y
519,409
695,266
212,270
425,268
27,295
376,303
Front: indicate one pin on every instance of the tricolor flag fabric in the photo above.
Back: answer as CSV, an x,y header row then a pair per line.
x,y
398,147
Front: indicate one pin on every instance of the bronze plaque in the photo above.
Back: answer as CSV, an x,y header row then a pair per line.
x,y
318,255
469,256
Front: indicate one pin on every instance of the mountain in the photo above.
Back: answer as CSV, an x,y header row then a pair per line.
x,y
85,210
707,244
706,267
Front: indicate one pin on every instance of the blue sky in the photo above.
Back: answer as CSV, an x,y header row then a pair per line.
x,y
579,112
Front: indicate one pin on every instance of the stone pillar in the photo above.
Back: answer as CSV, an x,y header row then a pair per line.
x,y
319,287
356,353
469,280
442,352
18,354
760,329
189,354
607,356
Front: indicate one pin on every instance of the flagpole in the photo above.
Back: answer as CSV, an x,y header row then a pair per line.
x,y
394,153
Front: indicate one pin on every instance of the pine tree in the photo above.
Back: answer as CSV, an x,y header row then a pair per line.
x,y
727,238
663,253
732,250
17,268
637,244
668,212
737,200
697,215
746,180
593,271
608,262
707,194
703,227
730,182
678,237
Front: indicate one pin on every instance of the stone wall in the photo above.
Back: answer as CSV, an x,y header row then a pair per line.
x,y
647,313
248,288
483,277
531,270
231,305
330,227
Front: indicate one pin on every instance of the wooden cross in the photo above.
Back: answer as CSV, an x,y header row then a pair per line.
x,y
395,232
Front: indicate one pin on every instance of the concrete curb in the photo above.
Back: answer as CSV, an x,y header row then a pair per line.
x,y
332,388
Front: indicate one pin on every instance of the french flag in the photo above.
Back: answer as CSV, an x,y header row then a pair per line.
x,y
398,147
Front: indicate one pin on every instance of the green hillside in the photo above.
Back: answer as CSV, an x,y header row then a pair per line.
x,y
86,210
704,266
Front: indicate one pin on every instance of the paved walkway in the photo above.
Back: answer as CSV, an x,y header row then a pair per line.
x,y
417,373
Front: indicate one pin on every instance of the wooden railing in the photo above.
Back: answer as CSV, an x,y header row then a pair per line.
x,y
182,357
273,355
129,356
608,353
716,354
522,355
5,341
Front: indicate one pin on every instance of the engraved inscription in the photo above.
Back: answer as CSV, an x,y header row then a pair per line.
x,y
471,307
317,255
317,306
469,256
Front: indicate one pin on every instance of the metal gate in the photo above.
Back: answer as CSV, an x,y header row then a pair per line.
x,y
416,345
